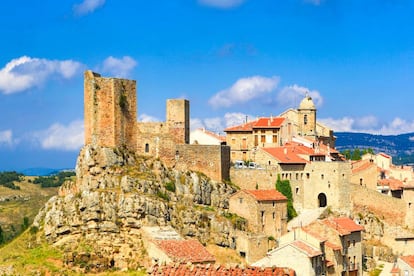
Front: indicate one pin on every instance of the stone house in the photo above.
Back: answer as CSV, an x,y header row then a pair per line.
x,y
201,136
404,266
364,173
344,234
301,256
318,176
264,210
165,246
267,132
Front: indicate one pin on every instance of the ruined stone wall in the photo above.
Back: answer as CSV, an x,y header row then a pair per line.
x,y
392,210
110,111
213,161
408,197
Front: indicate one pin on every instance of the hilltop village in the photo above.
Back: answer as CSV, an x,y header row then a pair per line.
x,y
191,189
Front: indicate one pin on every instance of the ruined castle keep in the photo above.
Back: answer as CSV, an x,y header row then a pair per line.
x,y
111,121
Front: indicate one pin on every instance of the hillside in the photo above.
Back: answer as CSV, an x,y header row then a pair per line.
x,y
401,146
18,205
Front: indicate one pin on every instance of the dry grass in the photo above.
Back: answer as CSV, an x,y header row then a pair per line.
x,y
33,198
225,255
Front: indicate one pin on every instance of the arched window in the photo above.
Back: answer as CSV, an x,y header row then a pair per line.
x,y
146,147
305,119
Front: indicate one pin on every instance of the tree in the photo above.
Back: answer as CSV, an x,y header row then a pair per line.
x,y
283,186
1,236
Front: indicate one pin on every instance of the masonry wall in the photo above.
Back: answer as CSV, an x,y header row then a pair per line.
x,y
214,161
366,178
110,111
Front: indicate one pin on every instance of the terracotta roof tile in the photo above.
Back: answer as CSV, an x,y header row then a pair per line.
x,y
185,251
394,184
264,122
286,155
344,226
362,165
333,246
384,155
307,249
269,122
243,127
266,195
408,260
218,270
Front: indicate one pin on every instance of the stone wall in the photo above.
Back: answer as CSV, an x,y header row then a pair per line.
x,y
110,111
213,161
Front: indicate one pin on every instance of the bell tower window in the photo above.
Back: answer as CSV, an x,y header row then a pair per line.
x,y
305,119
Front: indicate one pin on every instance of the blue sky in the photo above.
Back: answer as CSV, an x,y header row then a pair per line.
x,y
230,58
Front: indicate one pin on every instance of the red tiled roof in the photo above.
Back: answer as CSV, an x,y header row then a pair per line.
x,y
394,184
307,249
395,269
313,234
266,195
272,122
329,263
408,260
185,251
265,122
384,155
344,226
218,270
333,246
286,155
362,165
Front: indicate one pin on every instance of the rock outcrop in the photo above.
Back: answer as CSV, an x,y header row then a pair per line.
x,y
97,219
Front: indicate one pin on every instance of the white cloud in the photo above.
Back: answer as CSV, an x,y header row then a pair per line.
x,y
347,124
61,137
147,118
244,90
119,67
344,124
6,137
25,72
218,124
221,4
292,95
87,6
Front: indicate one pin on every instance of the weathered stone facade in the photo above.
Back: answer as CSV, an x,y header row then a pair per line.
x,y
111,121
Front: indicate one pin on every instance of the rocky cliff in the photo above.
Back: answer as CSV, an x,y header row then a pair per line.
x,y
97,219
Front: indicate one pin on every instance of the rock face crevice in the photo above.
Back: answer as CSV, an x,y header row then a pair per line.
x,y
97,218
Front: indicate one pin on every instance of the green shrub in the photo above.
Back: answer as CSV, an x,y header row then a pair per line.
x,y
170,186
283,186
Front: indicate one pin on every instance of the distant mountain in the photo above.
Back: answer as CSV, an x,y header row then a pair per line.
x,y
41,171
401,146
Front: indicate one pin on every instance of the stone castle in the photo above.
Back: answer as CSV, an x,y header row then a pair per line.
x,y
111,121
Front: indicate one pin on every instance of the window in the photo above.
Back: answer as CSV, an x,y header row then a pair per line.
x,y
240,200
273,215
353,243
274,139
322,176
146,147
297,190
305,119
263,138
307,175
256,140
349,243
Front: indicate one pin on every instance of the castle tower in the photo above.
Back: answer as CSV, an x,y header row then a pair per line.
x,y
178,120
110,111
307,117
